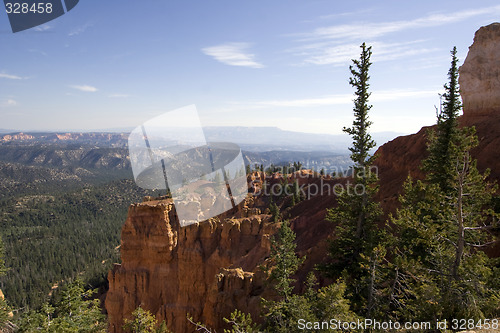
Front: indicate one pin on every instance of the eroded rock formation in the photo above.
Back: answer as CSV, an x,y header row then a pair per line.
x,y
204,270
480,73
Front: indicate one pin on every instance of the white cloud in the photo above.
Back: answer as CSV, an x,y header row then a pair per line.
x,y
84,88
38,51
337,45
360,30
80,29
8,102
353,13
118,96
43,27
10,77
233,54
328,54
341,99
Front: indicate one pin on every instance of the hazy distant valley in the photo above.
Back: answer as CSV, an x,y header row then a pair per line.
x,y
83,153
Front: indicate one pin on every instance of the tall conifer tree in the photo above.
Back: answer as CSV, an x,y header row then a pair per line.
x,y
443,225
440,163
356,213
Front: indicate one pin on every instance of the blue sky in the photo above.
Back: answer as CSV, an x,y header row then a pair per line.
x,y
116,64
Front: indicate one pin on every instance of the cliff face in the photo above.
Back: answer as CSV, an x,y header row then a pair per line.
x,y
480,73
205,270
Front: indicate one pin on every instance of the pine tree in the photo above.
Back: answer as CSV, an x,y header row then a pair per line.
x,y
415,284
470,221
362,140
275,211
440,163
285,261
143,321
72,313
356,213
4,308
241,322
282,315
441,270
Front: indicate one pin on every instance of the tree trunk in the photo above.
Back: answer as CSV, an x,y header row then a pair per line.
x,y
460,220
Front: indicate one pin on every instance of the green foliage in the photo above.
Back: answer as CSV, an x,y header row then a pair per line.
x,y
462,215
284,260
275,212
282,315
357,252
73,313
362,140
143,321
3,269
57,235
440,163
297,194
297,166
328,302
441,270
444,224
4,308
241,323
4,313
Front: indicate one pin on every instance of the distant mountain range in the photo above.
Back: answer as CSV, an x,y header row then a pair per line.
x,y
3,130
274,138
255,139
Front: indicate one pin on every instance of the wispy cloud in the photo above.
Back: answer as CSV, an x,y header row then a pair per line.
x,y
233,54
84,88
324,54
360,30
8,102
341,99
10,76
43,27
39,52
11,102
345,14
80,29
118,96
337,45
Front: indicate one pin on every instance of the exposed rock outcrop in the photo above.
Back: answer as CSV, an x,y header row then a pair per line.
x,y
16,137
480,73
206,270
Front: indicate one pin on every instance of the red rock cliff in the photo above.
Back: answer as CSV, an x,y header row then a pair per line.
x,y
205,270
